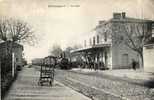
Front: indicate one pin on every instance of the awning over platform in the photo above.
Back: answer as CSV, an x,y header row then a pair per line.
x,y
86,49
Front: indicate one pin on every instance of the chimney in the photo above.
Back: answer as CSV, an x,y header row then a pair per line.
x,y
116,15
123,15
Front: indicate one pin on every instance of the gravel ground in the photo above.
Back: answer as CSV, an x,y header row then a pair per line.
x,y
103,88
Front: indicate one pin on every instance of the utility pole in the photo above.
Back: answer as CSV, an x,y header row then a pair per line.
x,y
140,8
13,65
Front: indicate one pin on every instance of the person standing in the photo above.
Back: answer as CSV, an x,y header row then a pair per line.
x,y
133,64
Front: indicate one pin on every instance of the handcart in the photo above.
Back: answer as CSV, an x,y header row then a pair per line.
x,y
47,71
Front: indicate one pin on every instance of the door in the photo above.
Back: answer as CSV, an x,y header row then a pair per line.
x,y
125,60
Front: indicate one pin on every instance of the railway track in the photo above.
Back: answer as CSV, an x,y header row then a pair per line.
x,y
103,88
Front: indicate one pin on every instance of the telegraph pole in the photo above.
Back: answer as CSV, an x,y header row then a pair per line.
x,y
140,8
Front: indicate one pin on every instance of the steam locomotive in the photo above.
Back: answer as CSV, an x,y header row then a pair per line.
x,y
63,62
60,62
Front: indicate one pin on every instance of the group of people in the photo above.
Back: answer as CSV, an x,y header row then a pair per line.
x,y
91,64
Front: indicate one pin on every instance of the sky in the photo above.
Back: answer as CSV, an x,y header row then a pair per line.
x,y
68,22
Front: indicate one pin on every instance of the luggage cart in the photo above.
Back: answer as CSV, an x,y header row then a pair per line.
x,y
47,70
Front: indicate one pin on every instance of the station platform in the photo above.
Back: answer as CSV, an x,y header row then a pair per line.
x,y
27,88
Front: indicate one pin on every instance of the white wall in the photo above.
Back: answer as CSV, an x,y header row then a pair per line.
x,y
148,59
117,52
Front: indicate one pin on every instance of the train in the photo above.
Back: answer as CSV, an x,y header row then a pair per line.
x,y
59,62
44,61
63,63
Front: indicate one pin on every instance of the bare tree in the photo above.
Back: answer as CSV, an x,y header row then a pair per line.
x,y
68,52
16,31
56,50
3,30
133,35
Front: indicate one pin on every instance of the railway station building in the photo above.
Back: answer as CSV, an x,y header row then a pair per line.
x,y
102,47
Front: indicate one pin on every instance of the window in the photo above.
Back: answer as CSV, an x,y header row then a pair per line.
x,y
85,43
105,36
94,40
90,42
153,29
97,38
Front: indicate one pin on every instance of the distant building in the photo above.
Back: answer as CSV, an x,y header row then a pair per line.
x,y
6,50
101,47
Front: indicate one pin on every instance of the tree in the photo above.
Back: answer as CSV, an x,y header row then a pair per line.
x,y
133,35
16,31
56,50
68,52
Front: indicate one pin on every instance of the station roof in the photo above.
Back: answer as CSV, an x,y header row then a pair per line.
x,y
89,48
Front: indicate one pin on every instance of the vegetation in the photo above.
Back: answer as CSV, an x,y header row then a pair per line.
x,y
16,31
56,50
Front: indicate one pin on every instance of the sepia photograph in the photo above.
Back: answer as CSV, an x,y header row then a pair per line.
x,y
77,49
